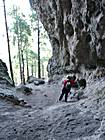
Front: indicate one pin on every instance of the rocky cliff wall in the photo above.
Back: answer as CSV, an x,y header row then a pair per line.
x,y
76,29
4,76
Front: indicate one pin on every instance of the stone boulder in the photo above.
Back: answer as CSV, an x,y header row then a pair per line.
x,y
14,100
24,89
36,81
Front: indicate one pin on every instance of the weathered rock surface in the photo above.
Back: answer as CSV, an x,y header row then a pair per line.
x,y
8,94
37,81
4,76
24,89
51,120
76,29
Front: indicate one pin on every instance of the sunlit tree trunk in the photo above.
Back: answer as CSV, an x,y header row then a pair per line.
x,y
19,53
10,62
18,44
19,49
35,67
21,58
42,70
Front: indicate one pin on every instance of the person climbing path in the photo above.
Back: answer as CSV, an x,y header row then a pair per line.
x,y
68,83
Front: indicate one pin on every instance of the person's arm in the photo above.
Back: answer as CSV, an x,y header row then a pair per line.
x,y
65,82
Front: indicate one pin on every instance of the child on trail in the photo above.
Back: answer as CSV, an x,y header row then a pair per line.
x,y
67,87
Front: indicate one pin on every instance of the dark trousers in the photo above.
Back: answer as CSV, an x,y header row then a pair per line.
x,y
64,92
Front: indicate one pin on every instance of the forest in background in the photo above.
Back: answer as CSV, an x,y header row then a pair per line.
x,y
27,40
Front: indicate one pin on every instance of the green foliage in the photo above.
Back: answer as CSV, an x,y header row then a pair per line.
x,y
44,59
23,31
20,28
33,54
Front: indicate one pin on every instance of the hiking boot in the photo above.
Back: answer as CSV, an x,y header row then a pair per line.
x,y
78,98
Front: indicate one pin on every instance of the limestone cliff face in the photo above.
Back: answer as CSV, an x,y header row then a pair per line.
x,y
76,29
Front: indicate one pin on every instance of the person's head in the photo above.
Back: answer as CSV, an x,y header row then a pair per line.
x,y
74,77
69,77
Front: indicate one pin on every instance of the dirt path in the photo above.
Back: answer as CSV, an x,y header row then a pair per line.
x,y
52,120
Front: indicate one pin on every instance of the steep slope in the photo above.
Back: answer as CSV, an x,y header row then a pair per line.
x,y
76,29
51,120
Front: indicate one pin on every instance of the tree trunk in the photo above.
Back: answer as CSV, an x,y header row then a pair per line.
x,y
32,69
39,74
42,70
10,62
35,68
19,49
22,72
20,65
27,63
21,57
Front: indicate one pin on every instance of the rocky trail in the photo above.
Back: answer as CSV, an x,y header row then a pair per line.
x,y
48,119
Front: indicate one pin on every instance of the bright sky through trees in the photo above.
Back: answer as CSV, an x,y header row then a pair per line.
x,y
26,9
